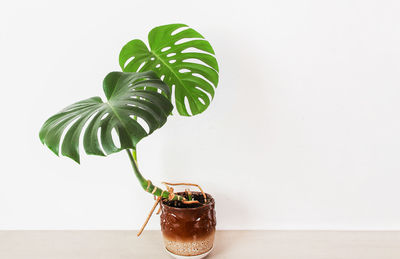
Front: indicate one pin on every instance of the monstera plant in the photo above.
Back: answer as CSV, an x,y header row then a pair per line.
x,y
182,59
178,68
130,96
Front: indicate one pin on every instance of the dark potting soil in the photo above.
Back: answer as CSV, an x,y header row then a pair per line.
x,y
179,204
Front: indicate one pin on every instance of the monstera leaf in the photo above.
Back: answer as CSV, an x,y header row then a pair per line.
x,y
182,58
138,103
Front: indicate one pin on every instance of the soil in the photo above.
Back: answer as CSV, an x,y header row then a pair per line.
x,y
179,204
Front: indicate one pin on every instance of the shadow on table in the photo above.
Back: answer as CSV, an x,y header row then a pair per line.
x,y
225,240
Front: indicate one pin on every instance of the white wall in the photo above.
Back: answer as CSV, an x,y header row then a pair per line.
x,y
304,131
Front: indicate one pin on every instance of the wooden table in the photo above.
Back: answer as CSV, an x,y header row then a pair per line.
x,y
229,244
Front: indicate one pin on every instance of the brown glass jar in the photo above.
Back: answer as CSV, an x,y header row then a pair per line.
x,y
188,231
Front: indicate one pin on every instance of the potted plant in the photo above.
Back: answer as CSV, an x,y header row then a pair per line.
x,y
179,63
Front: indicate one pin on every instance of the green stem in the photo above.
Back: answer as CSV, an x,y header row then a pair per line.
x,y
134,155
157,191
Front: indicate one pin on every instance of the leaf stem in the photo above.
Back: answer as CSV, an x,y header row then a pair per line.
x,y
134,154
147,185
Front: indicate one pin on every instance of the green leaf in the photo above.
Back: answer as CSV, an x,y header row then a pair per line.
x,y
130,96
182,58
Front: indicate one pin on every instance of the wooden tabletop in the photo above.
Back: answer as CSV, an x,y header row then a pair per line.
x,y
229,244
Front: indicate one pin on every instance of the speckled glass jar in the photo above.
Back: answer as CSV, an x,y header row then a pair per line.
x,y
189,231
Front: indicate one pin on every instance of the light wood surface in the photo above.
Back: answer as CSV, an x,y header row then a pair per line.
x,y
229,244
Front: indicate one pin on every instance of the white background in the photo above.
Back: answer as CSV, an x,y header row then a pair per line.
x,y
303,133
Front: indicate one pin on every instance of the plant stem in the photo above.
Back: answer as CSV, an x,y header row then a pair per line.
x,y
134,155
146,184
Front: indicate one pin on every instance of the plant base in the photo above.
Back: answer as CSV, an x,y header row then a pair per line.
x,y
188,232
